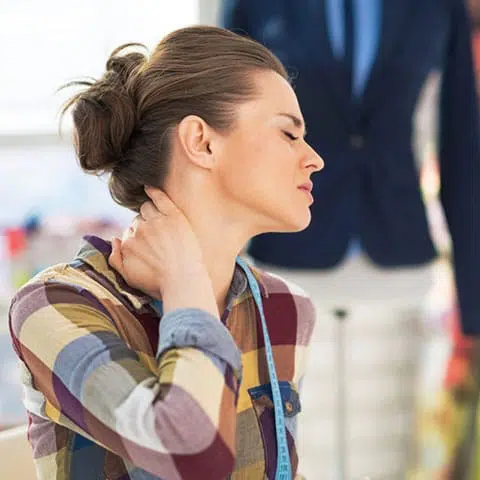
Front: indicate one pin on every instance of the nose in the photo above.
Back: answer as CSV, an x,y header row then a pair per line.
x,y
313,161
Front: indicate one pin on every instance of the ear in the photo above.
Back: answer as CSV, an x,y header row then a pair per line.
x,y
195,136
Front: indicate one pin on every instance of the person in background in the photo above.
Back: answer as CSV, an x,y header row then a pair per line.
x,y
148,357
359,70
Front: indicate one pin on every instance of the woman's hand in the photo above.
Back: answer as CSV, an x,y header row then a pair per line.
x,y
160,255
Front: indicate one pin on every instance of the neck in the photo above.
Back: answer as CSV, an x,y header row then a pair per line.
x,y
221,239
220,264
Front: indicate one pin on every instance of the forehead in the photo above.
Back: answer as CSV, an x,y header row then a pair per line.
x,y
274,95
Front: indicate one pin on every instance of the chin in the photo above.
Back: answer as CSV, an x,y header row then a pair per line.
x,y
295,223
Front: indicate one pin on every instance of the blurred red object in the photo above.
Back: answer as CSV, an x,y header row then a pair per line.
x,y
461,357
16,240
476,57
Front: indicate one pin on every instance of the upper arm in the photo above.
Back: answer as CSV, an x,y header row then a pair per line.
x,y
91,378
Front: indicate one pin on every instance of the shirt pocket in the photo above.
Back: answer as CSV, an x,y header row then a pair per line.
x,y
262,402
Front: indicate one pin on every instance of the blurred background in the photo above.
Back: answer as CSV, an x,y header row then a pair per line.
x,y
47,203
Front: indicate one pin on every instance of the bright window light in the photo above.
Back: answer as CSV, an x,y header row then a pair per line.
x,y
44,44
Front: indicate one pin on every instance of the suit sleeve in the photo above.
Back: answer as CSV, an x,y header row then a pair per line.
x,y
459,157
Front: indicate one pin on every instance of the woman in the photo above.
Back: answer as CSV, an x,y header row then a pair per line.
x,y
133,352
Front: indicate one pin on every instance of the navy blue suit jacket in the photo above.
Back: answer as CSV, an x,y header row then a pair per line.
x,y
369,188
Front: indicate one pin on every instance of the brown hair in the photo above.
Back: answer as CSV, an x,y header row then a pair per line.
x,y
123,120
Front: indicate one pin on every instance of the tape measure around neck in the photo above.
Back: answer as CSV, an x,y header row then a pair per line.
x,y
284,469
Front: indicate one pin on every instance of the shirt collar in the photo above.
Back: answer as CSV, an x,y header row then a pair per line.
x,y
95,251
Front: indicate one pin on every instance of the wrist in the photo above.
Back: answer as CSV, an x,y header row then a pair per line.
x,y
193,291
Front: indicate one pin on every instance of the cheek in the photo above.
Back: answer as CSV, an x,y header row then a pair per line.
x,y
258,169
250,160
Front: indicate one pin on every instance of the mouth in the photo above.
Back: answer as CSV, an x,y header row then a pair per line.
x,y
307,189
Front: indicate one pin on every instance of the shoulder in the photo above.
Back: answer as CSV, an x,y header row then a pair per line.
x,y
57,292
286,300
71,282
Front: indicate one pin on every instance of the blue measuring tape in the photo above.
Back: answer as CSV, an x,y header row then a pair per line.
x,y
284,469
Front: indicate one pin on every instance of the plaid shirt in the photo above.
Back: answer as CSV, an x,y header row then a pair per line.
x,y
115,392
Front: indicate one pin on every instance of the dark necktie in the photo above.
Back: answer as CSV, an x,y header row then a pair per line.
x,y
349,43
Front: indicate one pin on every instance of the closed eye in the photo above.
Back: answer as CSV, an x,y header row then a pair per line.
x,y
291,136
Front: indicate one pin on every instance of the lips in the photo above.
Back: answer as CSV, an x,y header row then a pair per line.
x,y
307,187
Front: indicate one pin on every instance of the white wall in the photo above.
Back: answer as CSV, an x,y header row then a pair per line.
x,y
45,44
208,10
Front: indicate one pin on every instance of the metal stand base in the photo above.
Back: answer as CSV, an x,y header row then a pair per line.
x,y
341,315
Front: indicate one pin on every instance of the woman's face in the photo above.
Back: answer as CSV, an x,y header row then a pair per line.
x,y
265,164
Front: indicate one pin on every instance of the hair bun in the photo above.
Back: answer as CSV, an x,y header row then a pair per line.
x,y
124,65
105,113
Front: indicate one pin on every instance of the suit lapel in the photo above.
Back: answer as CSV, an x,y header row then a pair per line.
x,y
395,15
335,73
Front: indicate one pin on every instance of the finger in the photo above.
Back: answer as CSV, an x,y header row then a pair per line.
x,y
115,258
161,200
138,251
130,231
148,210
137,220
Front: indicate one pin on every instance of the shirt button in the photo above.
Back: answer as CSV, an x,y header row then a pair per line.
x,y
357,142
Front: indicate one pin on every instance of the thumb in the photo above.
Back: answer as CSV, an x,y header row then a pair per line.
x,y
115,259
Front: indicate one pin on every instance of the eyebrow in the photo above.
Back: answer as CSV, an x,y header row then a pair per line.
x,y
298,122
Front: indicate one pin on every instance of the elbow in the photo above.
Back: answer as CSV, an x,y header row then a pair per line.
x,y
190,460
215,462
219,461
200,447
207,441
211,448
